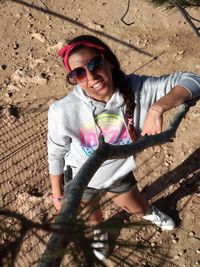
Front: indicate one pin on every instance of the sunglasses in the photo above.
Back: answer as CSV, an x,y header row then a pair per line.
x,y
79,74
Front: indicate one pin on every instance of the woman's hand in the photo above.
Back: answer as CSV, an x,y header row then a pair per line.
x,y
56,200
57,204
153,122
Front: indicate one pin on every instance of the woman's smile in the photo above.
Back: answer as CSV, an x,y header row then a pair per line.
x,y
98,84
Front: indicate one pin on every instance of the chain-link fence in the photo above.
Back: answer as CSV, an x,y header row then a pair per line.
x,y
26,211
24,182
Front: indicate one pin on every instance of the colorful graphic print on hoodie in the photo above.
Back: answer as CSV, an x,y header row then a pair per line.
x,y
111,126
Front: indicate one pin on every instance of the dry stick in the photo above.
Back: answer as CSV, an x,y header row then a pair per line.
x,y
52,256
122,18
187,17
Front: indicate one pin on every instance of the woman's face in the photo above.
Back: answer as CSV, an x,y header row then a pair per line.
x,y
98,84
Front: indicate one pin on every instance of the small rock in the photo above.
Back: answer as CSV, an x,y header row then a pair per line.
x,y
99,27
35,62
192,233
73,30
144,263
57,46
197,251
48,17
177,257
171,187
175,240
39,36
181,52
153,244
38,80
6,95
195,114
9,94
13,87
15,46
96,26
182,153
179,57
166,163
30,25
30,17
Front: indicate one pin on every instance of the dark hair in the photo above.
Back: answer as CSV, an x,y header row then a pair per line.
x,y
119,77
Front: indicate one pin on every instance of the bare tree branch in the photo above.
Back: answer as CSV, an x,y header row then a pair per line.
x,y
74,190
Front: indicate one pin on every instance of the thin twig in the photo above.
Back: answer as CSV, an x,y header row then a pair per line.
x,y
122,18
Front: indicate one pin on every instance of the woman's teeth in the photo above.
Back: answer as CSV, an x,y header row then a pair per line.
x,y
97,85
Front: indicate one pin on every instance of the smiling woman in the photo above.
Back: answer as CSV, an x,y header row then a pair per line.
x,y
93,72
107,102
79,74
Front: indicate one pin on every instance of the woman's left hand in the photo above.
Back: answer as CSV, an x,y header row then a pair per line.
x,y
153,122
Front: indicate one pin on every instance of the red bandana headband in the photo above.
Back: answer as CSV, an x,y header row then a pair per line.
x,y
65,51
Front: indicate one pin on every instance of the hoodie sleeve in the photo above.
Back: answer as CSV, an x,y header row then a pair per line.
x,y
156,87
58,142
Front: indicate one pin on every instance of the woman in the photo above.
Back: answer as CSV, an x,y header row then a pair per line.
x,y
105,101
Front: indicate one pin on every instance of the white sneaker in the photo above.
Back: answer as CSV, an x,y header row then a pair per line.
x,y
100,246
159,218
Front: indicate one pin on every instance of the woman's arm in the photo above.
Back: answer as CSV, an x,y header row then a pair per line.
x,y
154,119
160,94
57,189
175,97
58,146
56,184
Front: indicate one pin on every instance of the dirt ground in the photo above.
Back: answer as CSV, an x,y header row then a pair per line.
x,y
31,76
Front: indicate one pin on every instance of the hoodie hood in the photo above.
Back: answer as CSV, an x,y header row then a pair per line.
x,y
115,101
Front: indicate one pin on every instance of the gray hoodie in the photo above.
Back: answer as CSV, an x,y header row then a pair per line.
x,y
76,122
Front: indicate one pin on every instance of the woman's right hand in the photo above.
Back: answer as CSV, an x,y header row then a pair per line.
x,y
153,122
57,204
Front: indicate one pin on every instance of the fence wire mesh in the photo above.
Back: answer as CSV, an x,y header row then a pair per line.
x,y
24,183
25,209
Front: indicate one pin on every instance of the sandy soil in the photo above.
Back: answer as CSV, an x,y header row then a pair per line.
x,y
158,42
